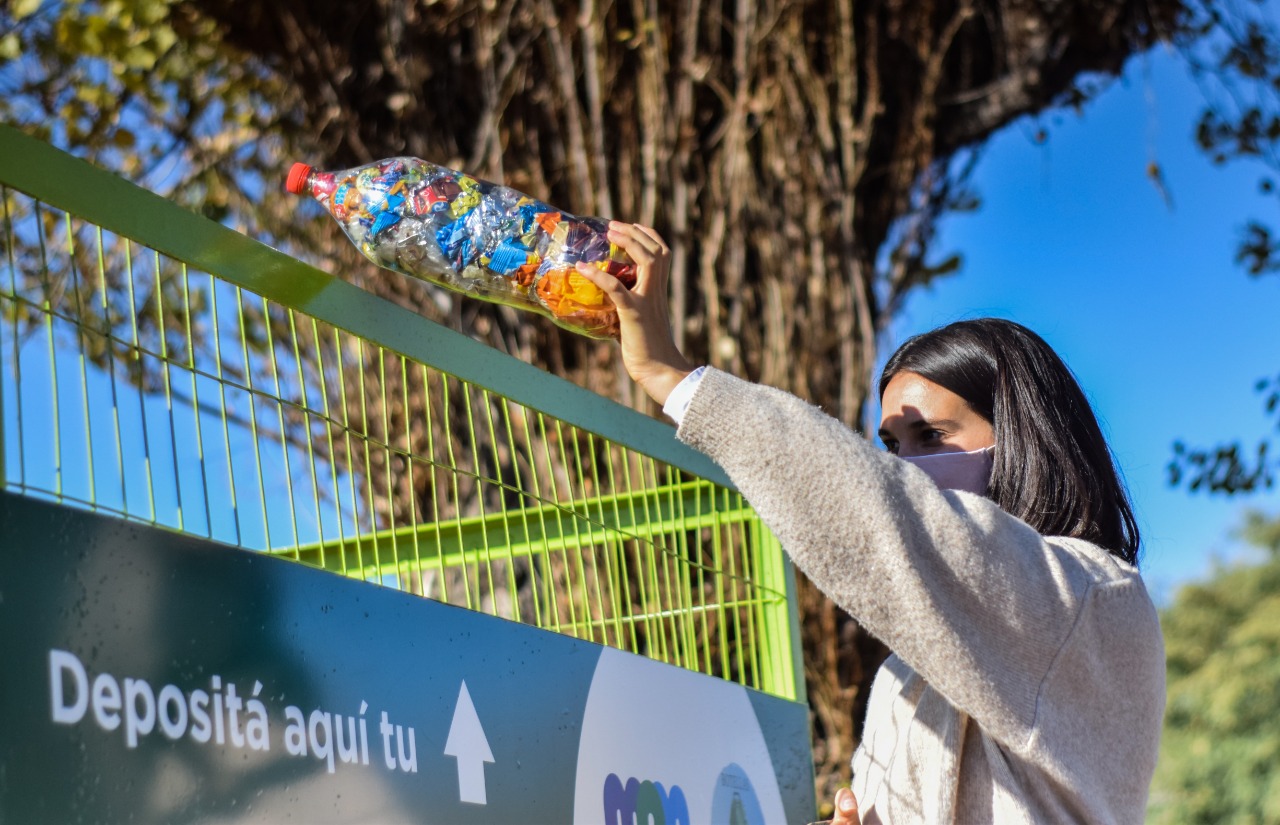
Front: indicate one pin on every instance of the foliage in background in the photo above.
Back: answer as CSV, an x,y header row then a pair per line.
x,y
1237,67
147,89
1230,467
1220,755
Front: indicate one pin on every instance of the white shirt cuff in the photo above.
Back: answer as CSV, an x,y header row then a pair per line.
x,y
678,400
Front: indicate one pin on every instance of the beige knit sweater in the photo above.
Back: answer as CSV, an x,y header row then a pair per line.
x,y
1027,681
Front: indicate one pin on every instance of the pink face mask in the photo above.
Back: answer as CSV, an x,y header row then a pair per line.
x,y
969,471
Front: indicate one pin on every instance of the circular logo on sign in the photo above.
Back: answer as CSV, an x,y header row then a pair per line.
x,y
734,800
666,746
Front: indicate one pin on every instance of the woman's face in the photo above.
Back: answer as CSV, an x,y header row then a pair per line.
x,y
920,417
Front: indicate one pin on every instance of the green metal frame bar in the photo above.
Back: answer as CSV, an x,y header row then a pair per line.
x,y
79,188
532,530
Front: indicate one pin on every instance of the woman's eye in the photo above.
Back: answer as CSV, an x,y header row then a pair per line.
x,y
891,446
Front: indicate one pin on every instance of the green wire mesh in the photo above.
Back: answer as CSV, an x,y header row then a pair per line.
x,y
134,384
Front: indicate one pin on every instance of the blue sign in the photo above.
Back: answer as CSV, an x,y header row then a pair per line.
x,y
154,677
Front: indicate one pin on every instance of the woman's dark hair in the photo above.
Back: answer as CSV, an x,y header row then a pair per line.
x,y
1052,467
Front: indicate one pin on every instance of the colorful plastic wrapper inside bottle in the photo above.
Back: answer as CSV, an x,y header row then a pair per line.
x,y
478,238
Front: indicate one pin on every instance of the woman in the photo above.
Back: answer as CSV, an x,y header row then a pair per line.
x,y
996,562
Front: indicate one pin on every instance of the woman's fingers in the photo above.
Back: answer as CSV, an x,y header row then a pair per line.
x,y
649,251
846,808
649,352
644,237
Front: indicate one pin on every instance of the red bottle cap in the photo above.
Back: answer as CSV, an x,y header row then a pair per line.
x,y
297,180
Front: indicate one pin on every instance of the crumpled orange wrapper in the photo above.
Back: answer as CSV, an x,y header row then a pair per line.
x,y
569,294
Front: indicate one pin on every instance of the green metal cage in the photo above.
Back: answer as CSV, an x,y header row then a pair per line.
x,y
160,367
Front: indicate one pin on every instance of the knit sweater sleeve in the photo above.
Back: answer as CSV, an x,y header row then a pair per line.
x,y
970,597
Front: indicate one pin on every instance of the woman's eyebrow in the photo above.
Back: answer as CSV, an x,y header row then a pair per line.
x,y
933,424
922,424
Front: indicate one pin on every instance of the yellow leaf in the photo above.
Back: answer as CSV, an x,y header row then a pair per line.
x,y
93,95
163,37
150,12
23,8
140,57
10,47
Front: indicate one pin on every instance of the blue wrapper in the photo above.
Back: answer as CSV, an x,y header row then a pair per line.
x,y
509,256
456,244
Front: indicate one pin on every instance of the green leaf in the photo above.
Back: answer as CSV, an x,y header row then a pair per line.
x,y
1222,730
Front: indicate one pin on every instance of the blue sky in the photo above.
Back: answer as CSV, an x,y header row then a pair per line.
x,y
1166,334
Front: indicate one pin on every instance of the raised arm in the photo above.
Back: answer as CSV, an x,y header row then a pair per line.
x,y
970,597
973,599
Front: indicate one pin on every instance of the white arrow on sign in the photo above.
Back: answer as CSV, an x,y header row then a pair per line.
x,y
467,743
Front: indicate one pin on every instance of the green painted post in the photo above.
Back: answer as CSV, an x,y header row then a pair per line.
x,y
784,658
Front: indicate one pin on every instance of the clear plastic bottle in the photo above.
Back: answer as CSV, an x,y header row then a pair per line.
x,y
478,238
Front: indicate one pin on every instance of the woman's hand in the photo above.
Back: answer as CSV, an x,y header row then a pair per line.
x,y
649,350
846,808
